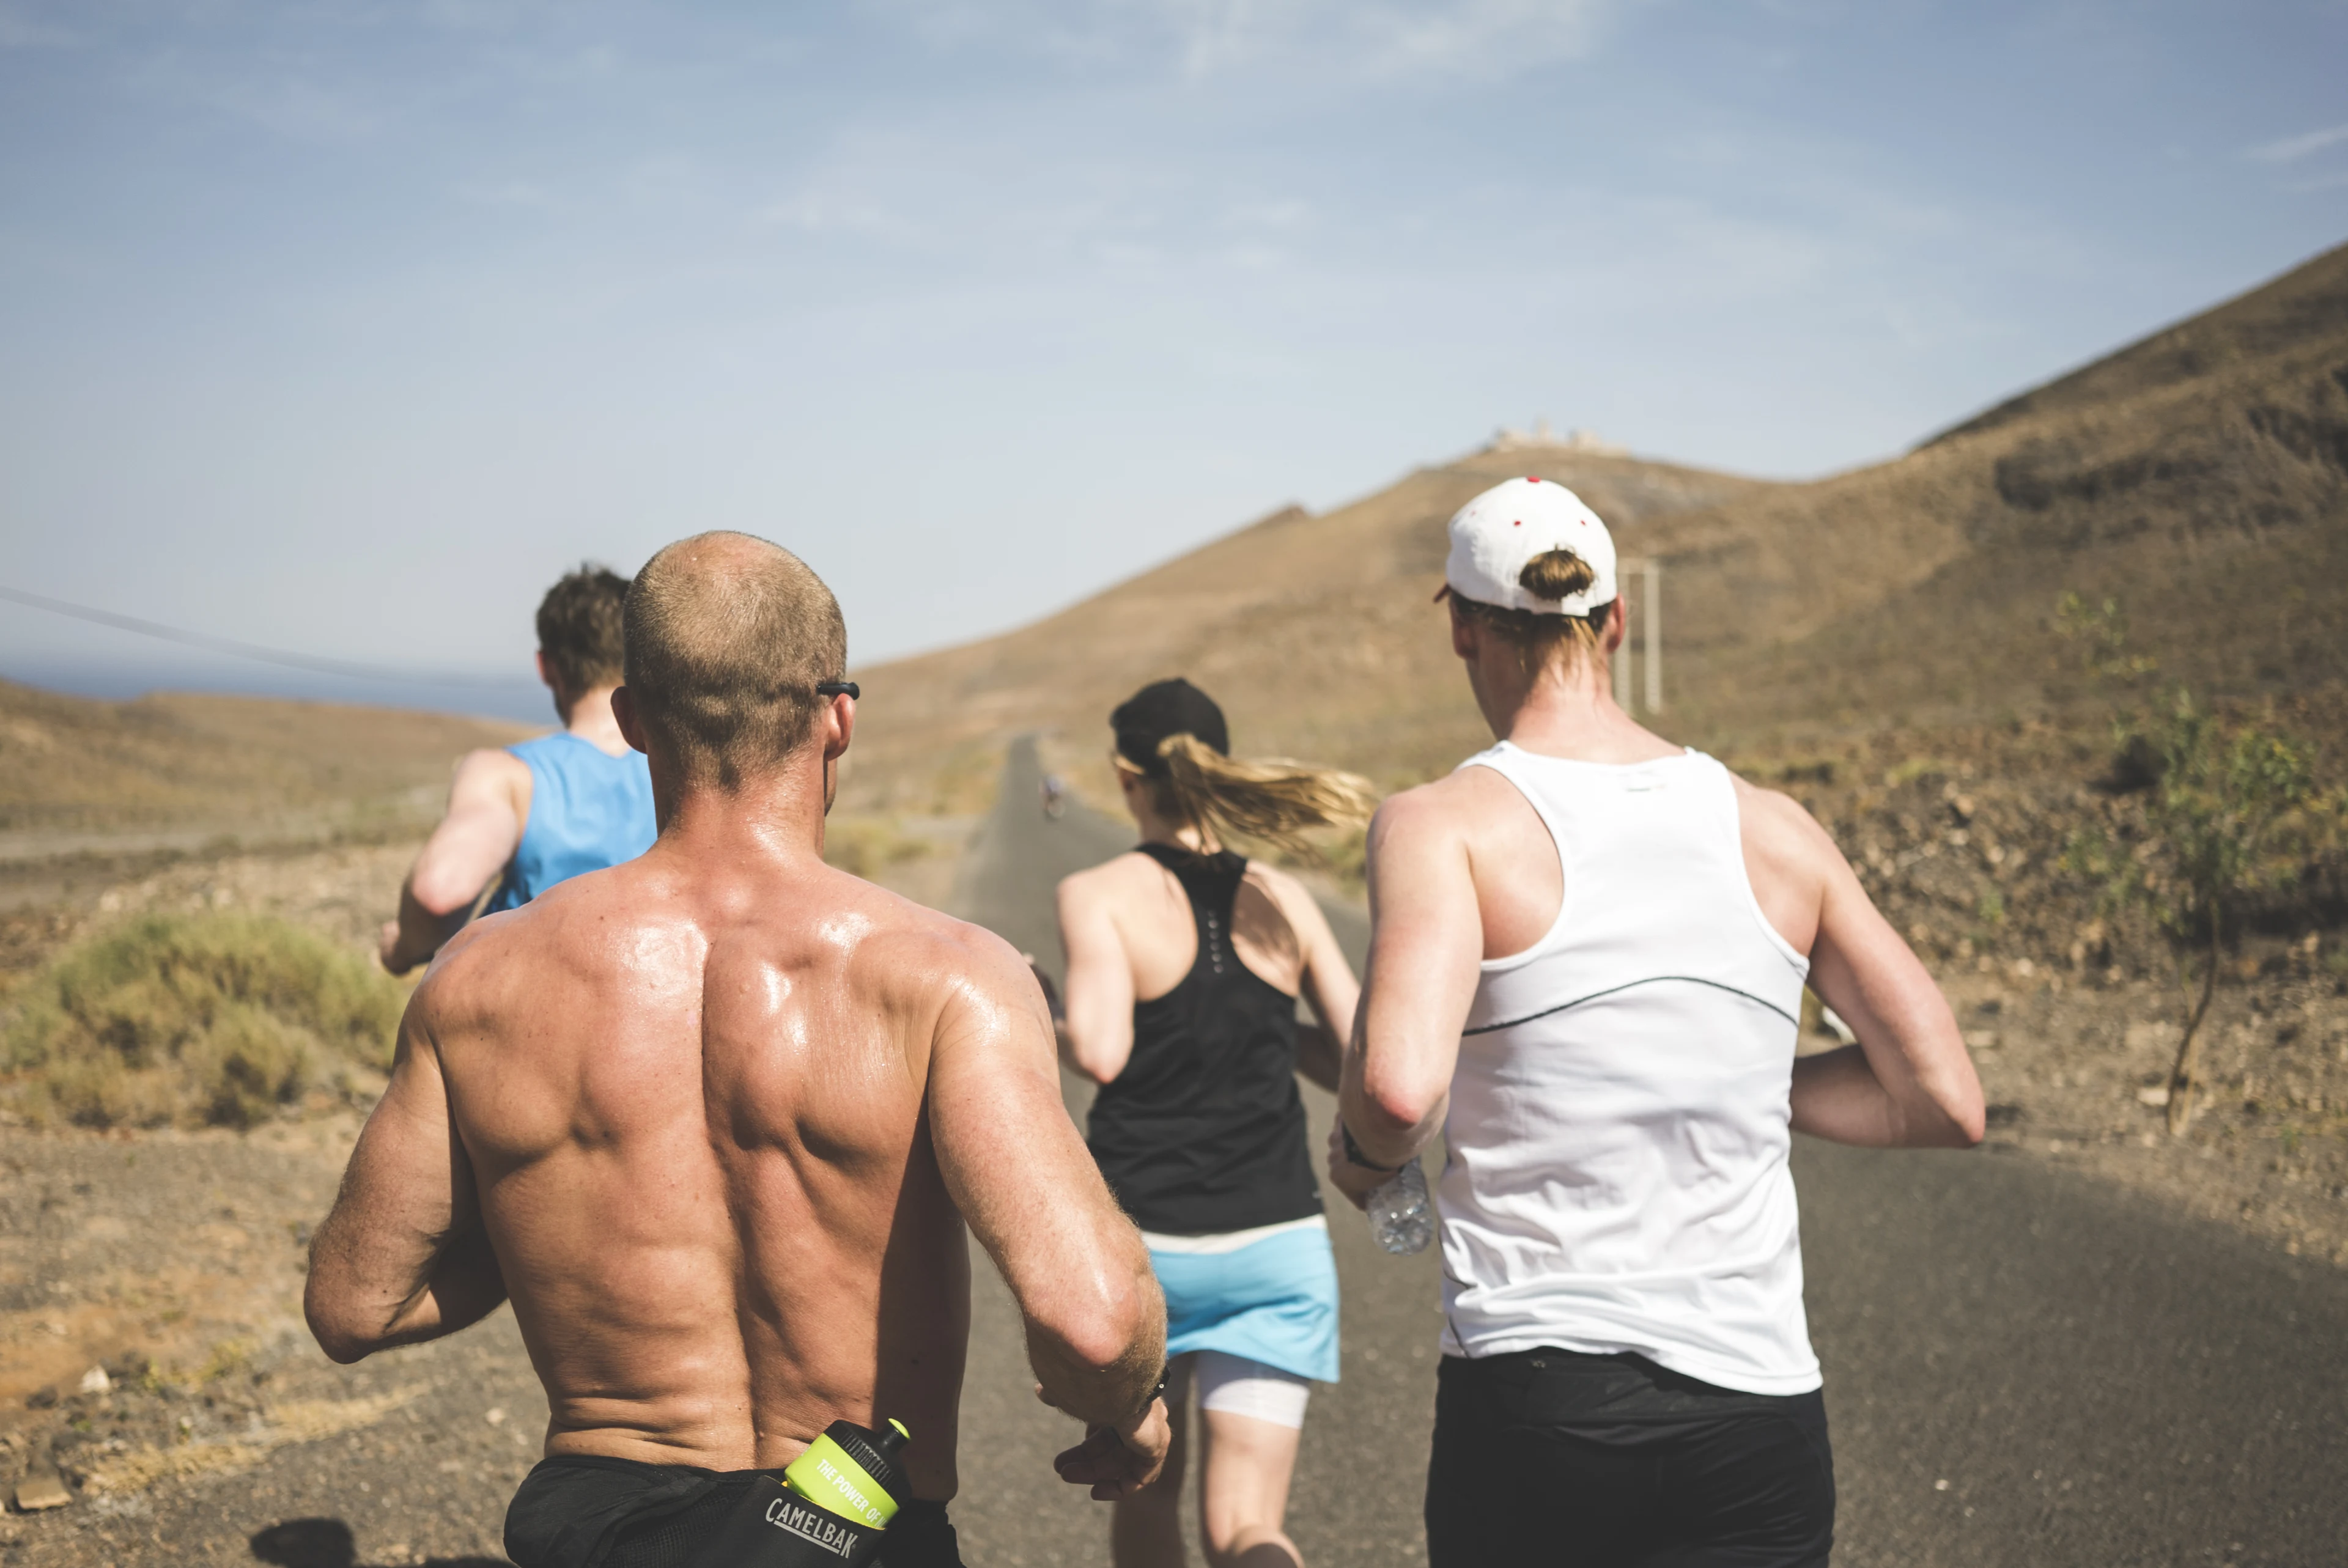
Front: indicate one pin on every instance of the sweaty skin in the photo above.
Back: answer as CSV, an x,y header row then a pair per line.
x,y
1462,871
714,1120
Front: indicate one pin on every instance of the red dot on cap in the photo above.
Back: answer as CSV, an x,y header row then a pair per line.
x,y
1532,478
1518,524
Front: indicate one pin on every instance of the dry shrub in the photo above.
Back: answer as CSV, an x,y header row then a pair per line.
x,y
195,1020
866,846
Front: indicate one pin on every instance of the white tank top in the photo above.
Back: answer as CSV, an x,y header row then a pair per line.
x,y
1619,1123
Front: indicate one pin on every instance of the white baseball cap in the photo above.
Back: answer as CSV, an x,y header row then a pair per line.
x,y
1493,536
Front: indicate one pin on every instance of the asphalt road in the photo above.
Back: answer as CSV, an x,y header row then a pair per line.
x,y
2023,1368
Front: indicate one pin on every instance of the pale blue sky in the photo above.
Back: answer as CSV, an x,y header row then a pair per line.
x,y
345,325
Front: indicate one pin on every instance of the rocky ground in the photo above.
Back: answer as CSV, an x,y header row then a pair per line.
x,y
153,1351
2072,1074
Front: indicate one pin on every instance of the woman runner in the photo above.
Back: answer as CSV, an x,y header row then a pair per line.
x,y
1185,962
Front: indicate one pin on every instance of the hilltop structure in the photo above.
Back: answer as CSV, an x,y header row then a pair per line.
x,y
1589,443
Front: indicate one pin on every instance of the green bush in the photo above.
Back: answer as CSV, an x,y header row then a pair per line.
x,y
195,1020
2232,811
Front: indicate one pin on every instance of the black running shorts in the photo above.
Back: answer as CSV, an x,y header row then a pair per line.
x,y
592,1510
1572,1461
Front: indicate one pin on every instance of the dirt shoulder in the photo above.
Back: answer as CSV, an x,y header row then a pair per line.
x,y
154,1362
2073,1076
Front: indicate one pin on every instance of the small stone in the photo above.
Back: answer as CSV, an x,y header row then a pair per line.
x,y
41,1489
1981,1039
2157,1094
96,1381
1939,1486
495,1416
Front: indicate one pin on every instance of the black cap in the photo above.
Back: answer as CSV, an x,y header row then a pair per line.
x,y
1166,708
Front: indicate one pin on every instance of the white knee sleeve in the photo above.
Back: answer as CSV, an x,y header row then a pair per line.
x,y
1239,1387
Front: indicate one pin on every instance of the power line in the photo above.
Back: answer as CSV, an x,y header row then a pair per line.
x,y
310,661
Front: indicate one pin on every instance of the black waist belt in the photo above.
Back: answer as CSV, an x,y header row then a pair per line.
x,y
593,1511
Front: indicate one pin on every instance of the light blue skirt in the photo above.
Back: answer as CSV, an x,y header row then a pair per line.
x,y
1271,1300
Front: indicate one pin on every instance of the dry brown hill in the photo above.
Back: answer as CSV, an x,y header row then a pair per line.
x,y
250,767
2200,475
1317,633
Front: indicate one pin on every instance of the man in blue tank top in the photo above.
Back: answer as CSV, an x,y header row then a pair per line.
x,y
524,817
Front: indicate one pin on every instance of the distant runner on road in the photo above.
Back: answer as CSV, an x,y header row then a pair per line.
x,y
1056,792
716,1119
1586,966
525,816
1185,962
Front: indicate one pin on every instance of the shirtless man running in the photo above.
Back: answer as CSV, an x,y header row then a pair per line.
x,y
716,1118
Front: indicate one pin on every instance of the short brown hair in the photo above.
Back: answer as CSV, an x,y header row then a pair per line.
x,y
1538,636
579,628
727,635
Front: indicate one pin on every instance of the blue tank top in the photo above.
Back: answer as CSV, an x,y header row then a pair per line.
x,y
588,810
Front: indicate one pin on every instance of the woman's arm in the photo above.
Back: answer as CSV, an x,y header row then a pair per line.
x,y
1096,1023
1327,983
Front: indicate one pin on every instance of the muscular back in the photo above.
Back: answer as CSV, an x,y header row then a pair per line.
x,y
693,1108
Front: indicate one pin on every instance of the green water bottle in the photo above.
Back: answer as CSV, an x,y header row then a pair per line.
x,y
830,1508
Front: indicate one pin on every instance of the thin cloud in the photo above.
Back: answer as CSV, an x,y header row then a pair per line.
x,y
1374,40
19,29
2291,149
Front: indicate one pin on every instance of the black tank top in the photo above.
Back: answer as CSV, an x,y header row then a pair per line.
x,y
1203,1132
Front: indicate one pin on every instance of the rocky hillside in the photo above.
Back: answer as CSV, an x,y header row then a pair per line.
x,y
1317,633
2201,477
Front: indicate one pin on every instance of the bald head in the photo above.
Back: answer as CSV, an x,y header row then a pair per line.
x,y
726,637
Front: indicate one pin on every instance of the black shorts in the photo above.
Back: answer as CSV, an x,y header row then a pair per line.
x,y
1560,1459
588,1511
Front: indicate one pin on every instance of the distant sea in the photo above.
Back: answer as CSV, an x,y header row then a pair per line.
x,y
487,696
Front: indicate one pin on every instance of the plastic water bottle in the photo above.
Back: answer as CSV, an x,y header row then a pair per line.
x,y
1401,1218
830,1508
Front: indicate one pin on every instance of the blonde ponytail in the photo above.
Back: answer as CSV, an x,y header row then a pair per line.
x,y
1273,801
1540,636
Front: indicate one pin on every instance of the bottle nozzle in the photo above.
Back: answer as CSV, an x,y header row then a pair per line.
x,y
895,1438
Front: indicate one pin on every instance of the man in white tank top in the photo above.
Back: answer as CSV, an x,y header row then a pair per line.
x,y
1586,969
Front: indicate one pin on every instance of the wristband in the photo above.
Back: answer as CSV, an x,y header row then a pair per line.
x,y
1165,1376
1354,1152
